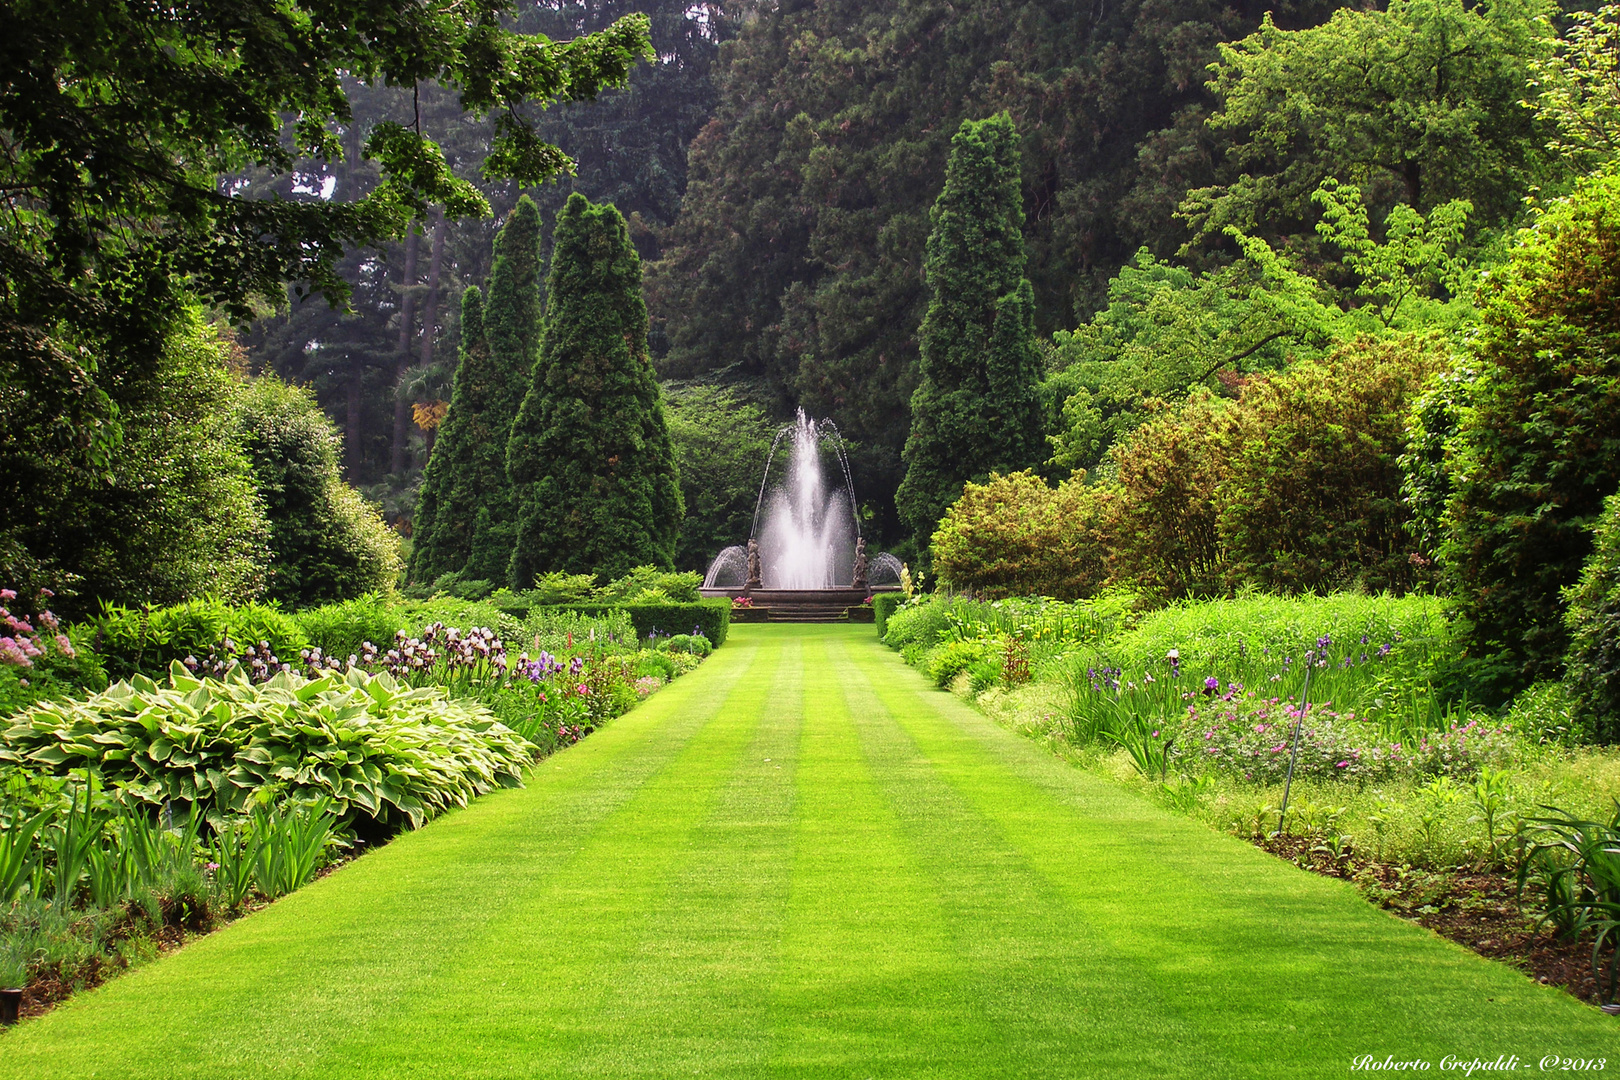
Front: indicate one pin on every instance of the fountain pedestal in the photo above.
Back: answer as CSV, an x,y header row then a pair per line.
x,y
802,605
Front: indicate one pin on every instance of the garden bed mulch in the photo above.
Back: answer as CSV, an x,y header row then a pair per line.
x,y
1478,909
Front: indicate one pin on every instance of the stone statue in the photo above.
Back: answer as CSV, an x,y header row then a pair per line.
x,y
860,564
754,581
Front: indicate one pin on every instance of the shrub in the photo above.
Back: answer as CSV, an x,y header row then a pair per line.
x,y
917,623
647,582
378,750
1165,530
38,660
342,629
686,643
948,660
170,515
884,605
1310,494
711,617
1016,536
147,642
1594,628
1539,451
326,544
560,588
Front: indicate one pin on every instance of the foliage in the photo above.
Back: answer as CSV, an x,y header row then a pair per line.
x,y
1015,536
147,642
1167,331
38,659
646,584
720,443
1418,103
1593,620
384,358
975,410
1536,453
884,606
1577,88
796,263
170,515
499,353
326,544
560,588
697,645
111,185
710,617
378,750
1432,427
590,457
1309,499
1165,530
342,629
1578,863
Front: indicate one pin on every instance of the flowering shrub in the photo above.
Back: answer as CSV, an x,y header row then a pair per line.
x,y
37,658
1249,735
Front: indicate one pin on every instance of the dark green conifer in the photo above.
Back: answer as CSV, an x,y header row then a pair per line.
x,y
590,458
442,527
466,518
975,410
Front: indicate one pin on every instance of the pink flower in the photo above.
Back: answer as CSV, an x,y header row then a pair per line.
x,y
65,645
8,594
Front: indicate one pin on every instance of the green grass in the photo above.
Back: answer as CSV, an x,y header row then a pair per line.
x,y
802,861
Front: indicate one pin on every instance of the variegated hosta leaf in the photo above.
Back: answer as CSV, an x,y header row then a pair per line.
x,y
376,748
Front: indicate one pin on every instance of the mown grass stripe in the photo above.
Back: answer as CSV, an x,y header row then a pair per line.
x,y
697,988
597,906
349,953
868,985
1052,988
1281,970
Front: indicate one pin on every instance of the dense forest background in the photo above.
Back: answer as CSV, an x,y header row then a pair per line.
x,y
777,164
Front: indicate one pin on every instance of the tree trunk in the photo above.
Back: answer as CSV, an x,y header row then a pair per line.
x,y
1412,176
407,323
430,303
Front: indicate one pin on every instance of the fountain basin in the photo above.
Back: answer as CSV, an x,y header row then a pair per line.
x,y
802,605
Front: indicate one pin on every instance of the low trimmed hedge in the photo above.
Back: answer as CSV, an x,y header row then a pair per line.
x,y
713,617
884,605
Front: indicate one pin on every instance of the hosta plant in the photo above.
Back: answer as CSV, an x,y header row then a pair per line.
x,y
376,749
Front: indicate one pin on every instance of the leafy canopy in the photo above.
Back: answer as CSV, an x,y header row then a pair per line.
x,y
118,119
1419,103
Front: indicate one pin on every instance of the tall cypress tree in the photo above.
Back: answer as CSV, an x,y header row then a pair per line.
x,y
442,525
467,517
975,410
590,457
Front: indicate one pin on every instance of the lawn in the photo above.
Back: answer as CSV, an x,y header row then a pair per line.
x,y
802,860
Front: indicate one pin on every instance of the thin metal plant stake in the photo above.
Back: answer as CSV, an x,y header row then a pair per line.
x,y
1293,756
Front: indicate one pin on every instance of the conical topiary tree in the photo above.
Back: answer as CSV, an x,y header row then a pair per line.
x,y
466,519
975,410
441,528
590,458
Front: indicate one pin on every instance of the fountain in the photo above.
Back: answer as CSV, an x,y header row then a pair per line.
x,y
805,556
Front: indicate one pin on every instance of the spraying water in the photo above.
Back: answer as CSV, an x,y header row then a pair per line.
x,y
807,540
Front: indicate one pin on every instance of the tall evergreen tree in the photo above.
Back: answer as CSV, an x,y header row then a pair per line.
x,y
976,410
467,514
443,522
590,456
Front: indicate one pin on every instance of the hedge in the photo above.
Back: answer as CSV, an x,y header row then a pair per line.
x,y
884,605
712,616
